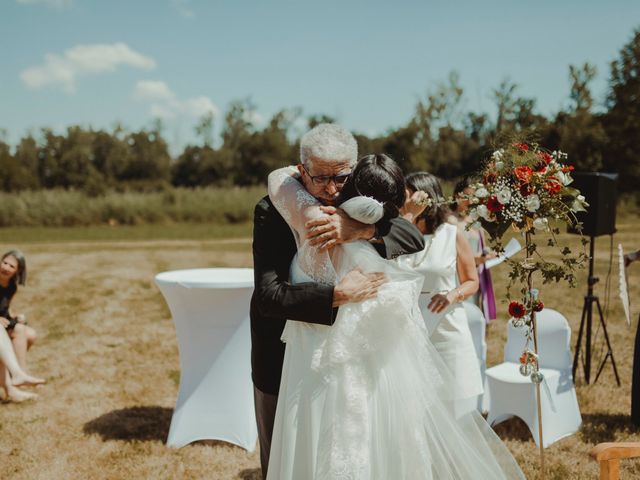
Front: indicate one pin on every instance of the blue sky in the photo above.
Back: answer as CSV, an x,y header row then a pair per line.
x,y
92,62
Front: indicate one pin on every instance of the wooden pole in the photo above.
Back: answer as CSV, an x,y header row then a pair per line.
x,y
535,346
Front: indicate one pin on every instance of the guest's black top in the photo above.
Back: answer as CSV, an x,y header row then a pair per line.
x,y
275,300
6,294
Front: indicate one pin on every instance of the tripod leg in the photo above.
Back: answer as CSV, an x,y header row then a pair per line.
x,y
606,336
602,364
579,342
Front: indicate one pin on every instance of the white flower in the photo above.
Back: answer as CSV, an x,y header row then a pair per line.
x,y
473,215
482,192
563,178
532,202
541,224
497,155
484,212
504,196
579,204
499,165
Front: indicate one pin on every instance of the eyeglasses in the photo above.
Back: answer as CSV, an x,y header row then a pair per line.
x,y
339,179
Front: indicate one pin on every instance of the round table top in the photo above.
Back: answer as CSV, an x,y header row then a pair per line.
x,y
208,278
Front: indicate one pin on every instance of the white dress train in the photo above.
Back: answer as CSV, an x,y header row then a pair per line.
x,y
369,397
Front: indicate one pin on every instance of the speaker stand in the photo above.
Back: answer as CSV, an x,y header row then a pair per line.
x,y
587,320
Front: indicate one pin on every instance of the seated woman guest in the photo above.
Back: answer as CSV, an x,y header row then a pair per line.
x,y
446,255
13,272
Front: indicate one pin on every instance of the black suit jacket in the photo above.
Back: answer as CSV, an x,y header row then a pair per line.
x,y
275,300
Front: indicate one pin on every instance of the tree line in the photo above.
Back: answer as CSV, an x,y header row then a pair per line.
x,y
441,137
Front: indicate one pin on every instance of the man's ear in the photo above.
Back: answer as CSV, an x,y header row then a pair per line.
x,y
300,169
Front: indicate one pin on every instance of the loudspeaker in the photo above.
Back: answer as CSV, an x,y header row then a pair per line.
x,y
601,193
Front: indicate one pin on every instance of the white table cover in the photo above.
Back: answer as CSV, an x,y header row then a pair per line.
x,y
210,308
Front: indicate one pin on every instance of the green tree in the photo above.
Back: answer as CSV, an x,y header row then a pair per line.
x,y
622,122
578,131
150,163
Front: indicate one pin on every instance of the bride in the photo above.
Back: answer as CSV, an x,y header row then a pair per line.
x,y
369,397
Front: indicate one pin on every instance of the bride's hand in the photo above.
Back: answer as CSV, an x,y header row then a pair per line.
x,y
439,302
336,227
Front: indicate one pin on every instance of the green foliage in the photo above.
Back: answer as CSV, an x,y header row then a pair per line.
x,y
62,208
441,137
622,121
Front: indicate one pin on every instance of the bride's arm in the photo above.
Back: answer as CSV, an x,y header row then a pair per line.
x,y
296,205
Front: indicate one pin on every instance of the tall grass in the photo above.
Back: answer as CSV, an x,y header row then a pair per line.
x,y
61,208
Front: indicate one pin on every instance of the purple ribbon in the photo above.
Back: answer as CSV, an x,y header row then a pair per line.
x,y
486,288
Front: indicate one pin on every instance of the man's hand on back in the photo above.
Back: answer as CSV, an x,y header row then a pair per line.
x,y
357,286
335,228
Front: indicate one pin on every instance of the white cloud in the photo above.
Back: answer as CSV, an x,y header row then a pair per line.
x,y
166,105
49,3
152,90
63,70
182,6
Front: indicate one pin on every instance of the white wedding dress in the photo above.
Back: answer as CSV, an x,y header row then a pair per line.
x,y
449,330
369,398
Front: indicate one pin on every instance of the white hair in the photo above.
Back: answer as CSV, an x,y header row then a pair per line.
x,y
329,142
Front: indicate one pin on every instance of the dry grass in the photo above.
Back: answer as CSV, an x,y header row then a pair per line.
x,y
108,349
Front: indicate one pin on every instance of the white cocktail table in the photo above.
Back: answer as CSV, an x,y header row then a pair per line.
x,y
210,309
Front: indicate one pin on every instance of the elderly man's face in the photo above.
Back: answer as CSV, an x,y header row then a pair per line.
x,y
325,191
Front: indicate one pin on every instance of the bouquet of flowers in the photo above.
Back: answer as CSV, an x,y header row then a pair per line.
x,y
525,189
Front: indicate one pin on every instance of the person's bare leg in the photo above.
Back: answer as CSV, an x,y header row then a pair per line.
x,y
8,358
20,344
12,393
31,337
5,381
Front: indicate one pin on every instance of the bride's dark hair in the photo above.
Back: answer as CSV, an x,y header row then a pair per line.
x,y
379,177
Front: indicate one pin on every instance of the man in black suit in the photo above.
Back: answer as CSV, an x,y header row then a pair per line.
x,y
327,154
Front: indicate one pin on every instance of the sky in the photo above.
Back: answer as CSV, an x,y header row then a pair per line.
x,y
365,63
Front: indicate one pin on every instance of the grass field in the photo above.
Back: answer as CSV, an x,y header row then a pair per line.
x,y
108,349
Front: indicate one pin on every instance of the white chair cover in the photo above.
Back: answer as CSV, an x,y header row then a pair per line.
x,y
477,325
511,394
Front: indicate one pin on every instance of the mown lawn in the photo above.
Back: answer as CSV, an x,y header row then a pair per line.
x,y
107,347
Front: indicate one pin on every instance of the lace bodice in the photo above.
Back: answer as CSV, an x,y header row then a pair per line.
x,y
297,206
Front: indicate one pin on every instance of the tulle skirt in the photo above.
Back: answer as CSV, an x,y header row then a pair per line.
x,y
370,398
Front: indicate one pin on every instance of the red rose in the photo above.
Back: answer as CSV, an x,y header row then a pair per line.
x,y
494,205
526,189
523,147
568,168
523,174
538,306
552,185
516,309
545,157
523,358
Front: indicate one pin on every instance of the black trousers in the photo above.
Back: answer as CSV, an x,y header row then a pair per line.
x,y
265,405
635,383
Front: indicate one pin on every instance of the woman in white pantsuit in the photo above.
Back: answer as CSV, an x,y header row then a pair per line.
x,y
446,258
